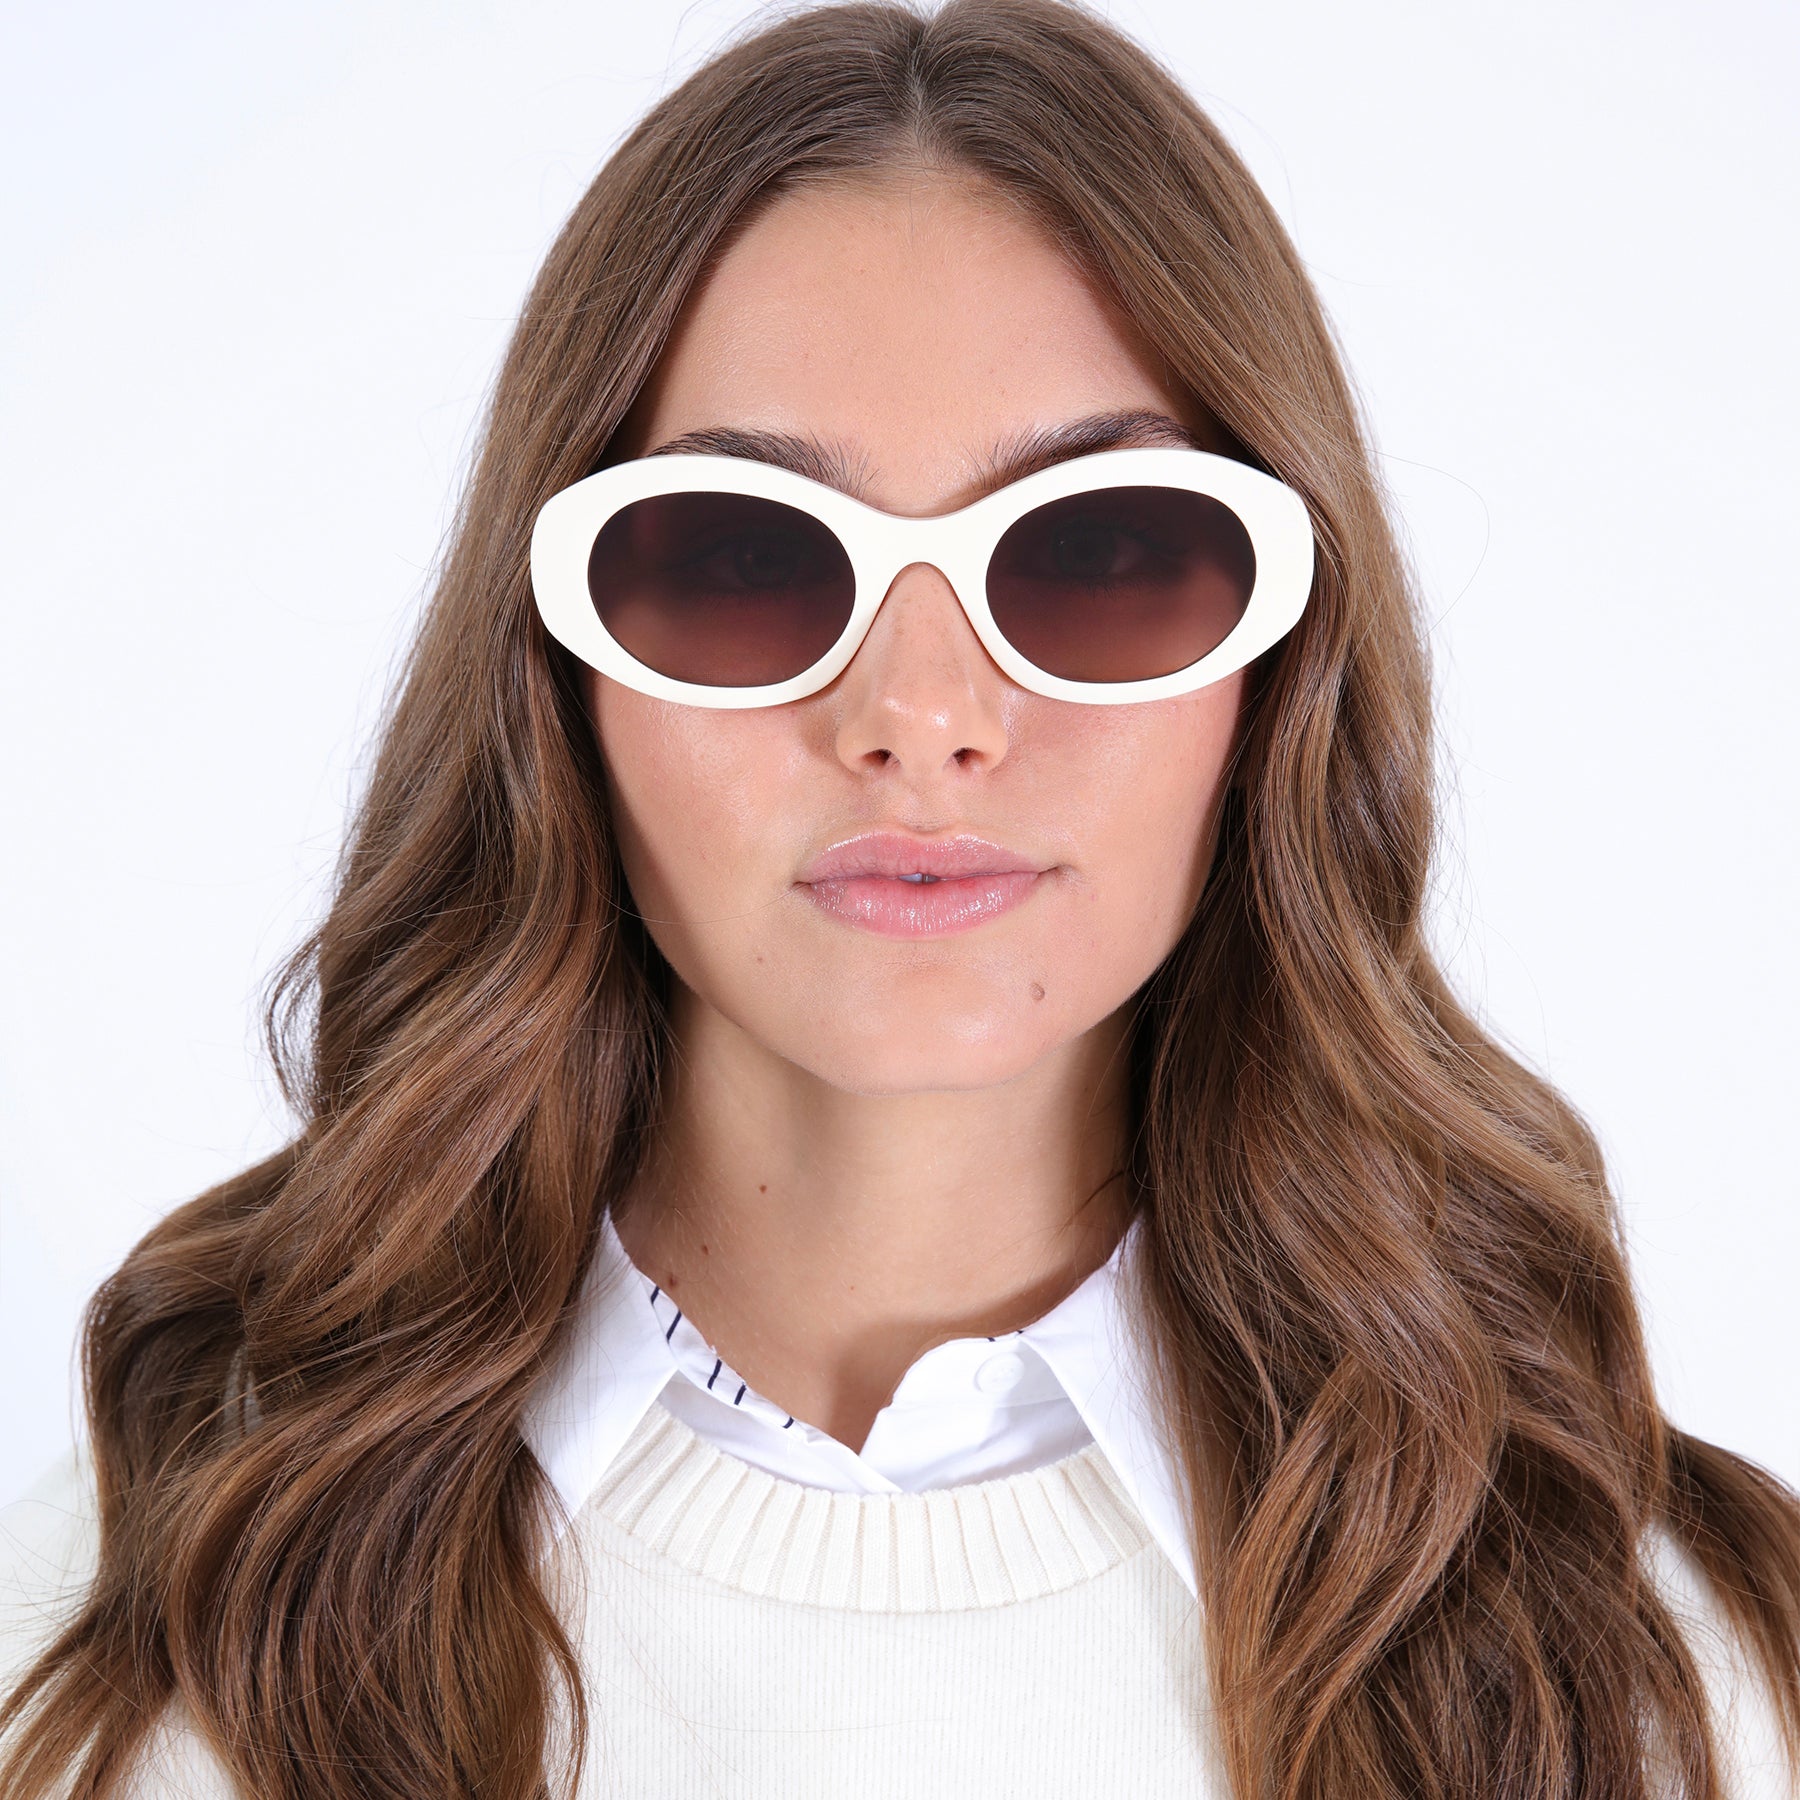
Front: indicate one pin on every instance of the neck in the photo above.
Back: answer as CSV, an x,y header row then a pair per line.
x,y
823,1241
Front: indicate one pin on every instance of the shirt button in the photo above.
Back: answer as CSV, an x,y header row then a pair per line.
x,y
1000,1374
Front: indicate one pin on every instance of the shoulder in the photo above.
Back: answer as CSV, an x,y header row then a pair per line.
x,y
1745,1722
49,1549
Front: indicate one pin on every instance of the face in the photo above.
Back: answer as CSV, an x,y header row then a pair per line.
x,y
912,326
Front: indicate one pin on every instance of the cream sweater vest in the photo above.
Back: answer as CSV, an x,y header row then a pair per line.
x,y
1020,1636
745,1635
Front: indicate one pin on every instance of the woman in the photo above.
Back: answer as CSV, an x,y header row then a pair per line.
x,y
890,1194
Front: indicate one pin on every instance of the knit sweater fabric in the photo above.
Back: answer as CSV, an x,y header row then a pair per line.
x,y
1018,1636
745,1635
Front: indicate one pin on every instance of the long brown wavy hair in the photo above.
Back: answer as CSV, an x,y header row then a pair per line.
x,y
1395,1330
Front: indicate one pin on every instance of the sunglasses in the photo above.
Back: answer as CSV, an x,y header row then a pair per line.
x,y
727,582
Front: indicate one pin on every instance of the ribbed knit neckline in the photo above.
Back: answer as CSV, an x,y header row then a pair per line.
x,y
976,1544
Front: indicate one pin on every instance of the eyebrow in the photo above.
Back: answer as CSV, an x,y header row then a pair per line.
x,y
1023,453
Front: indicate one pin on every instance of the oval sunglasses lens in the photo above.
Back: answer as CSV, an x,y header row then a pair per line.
x,y
719,589
1121,584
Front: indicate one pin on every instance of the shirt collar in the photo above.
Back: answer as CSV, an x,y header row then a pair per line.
x,y
616,1362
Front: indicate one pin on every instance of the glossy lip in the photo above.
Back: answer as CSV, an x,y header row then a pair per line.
x,y
860,881
895,853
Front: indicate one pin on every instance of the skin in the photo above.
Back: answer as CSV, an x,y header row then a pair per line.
x,y
869,1145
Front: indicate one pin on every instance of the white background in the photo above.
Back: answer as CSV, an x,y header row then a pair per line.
x,y
261,262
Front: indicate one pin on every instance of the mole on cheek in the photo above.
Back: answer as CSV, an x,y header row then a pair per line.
x,y
1037,990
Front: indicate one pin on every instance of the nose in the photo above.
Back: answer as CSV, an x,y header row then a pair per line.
x,y
921,692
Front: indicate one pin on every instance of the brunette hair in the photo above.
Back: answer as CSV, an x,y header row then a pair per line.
x,y
1394,1326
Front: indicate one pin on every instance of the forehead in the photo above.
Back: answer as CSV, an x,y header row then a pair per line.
x,y
913,323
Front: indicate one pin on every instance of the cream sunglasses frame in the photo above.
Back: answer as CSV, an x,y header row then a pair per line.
x,y
958,545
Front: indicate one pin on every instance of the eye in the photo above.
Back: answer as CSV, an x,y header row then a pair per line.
x,y
1097,550
754,560
1089,544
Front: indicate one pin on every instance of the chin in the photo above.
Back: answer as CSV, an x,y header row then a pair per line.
x,y
914,1057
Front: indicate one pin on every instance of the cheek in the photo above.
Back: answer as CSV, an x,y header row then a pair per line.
x,y
1155,779
686,788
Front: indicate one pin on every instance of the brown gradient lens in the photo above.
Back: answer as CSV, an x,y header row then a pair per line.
x,y
1121,584
725,590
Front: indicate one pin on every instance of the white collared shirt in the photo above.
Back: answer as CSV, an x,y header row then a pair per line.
x,y
972,1409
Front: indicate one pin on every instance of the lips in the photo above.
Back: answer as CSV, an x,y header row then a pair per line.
x,y
899,855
